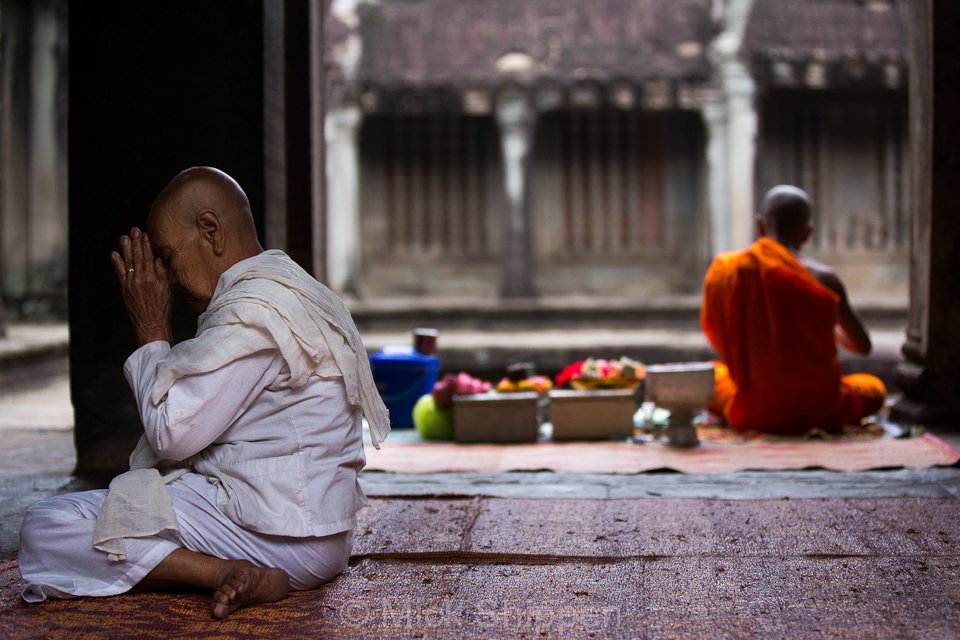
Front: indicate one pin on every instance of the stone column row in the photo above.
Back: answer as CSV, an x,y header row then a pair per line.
x,y
516,119
731,121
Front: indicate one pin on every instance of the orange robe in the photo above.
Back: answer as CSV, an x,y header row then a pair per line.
x,y
773,324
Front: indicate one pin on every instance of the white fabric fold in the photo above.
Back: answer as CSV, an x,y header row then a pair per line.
x,y
295,313
138,505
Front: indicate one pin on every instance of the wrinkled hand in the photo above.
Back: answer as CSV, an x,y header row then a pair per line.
x,y
144,286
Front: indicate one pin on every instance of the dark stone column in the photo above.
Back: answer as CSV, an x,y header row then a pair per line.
x,y
517,119
287,125
930,374
318,153
155,86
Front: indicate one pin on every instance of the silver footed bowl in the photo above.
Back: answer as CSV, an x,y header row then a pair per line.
x,y
686,385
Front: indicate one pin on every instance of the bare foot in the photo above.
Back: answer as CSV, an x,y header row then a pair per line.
x,y
243,584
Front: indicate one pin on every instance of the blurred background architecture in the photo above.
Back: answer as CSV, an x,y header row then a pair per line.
x,y
608,148
509,148
510,166
33,158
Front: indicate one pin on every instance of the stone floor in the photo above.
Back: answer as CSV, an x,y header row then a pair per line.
x,y
874,524
38,459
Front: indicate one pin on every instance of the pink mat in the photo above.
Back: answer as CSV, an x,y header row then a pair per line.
x,y
621,457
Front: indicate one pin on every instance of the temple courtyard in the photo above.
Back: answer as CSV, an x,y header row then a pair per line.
x,y
800,553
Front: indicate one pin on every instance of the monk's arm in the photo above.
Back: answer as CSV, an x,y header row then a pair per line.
x,y
851,332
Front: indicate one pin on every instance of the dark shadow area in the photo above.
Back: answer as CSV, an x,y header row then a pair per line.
x,y
155,87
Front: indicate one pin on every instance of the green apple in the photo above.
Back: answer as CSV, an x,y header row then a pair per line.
x,y
431,421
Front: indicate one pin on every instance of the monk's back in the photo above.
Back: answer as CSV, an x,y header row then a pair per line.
x,y
772,323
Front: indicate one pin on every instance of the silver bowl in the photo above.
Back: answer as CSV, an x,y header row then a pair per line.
x,y
683,389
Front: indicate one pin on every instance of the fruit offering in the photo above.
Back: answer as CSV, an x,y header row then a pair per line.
x,y
540,384
431,421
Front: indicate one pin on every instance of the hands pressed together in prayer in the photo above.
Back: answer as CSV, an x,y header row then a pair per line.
x,y
145,287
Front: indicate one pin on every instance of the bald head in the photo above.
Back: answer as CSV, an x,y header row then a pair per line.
x,y
785,215
201,225
203,188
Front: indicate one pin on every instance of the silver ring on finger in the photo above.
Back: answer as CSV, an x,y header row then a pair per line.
x,y
130,270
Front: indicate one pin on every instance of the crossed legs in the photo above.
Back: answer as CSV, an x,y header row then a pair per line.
x,y
239,567
234,583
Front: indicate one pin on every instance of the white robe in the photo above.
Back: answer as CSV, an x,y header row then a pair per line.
x,y
210,416
284,474
57,557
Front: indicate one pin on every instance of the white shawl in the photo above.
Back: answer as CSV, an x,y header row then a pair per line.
x,y
298,314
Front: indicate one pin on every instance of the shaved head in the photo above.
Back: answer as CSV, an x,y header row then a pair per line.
x,y
201,225
786,214
199,188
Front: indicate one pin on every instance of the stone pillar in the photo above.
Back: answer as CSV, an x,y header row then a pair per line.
x,y
342,119
718,177
16,42
33,194
343,198
47,166
731,120
742,123
516,119
274,126
287,128
930,374
318,164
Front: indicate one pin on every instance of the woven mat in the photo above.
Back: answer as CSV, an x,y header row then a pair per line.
x,y
720,451
522,568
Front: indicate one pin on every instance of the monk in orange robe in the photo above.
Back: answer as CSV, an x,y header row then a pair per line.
x,y
775,317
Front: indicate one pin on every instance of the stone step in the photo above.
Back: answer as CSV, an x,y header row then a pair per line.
x,y
31,351
676,312
482,337
486,353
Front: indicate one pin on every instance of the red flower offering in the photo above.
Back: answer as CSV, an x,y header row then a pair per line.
x,y
597,373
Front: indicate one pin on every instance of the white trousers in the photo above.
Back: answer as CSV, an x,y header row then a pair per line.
x,y
57,558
